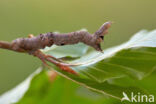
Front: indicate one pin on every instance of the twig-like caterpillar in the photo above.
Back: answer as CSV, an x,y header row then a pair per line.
x,y
32,44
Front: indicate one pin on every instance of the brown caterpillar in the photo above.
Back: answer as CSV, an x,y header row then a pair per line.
x,y
32,44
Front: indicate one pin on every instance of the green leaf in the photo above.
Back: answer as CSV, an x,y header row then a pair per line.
x,y
135,59
60,91
75,50
39,89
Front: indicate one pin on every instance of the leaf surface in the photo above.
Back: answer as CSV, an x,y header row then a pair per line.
x,y
135,59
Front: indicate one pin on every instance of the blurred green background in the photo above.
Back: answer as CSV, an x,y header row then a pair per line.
x,y
18,18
